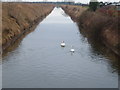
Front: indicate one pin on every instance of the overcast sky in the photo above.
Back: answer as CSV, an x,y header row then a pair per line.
x,y
82,1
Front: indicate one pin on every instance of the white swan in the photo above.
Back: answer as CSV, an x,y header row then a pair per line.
x,y
63,44
72,49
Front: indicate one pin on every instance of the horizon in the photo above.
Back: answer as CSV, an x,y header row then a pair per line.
x,y
76,1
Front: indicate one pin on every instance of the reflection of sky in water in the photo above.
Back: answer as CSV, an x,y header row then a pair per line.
x,y
40,62
57,17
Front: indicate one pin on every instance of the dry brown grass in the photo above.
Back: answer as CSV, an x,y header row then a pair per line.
x,y
73,11
102,27
17,17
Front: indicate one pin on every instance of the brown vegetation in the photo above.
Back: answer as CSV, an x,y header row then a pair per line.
x,y
18,18
73,11
102,25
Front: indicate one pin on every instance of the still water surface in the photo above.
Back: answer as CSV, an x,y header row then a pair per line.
x,y
40,62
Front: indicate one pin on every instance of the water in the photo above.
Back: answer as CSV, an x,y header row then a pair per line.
x,y
40,62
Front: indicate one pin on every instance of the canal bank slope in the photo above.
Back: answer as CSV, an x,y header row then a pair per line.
x,y
19,18
101,26
73,11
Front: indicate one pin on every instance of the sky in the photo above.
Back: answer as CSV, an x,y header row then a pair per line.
x,y
85,1
81,1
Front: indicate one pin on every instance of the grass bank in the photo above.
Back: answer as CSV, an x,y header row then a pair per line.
x,y
73,11
101,25
18,18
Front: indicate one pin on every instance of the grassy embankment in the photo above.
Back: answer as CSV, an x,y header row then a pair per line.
x,y
101,25
19,18
73,11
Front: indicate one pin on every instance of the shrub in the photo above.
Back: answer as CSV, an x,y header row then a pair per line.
x,y
93,5
93,23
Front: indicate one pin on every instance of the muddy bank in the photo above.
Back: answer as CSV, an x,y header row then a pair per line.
x,y
19,18
100,26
